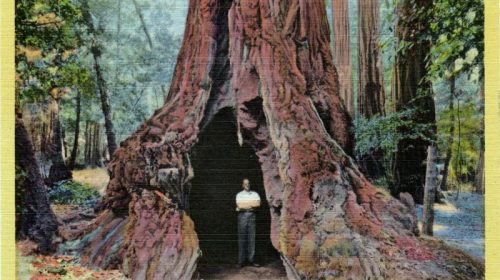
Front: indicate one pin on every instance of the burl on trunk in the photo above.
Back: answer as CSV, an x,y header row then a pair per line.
x,y
271,62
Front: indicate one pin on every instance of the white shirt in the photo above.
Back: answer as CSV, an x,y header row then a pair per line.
x,y
245,197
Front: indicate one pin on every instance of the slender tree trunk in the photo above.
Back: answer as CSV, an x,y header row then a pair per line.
x,y
101,83
341,47
74,150
327,220
35,219
143,23
479,178
87,143
96,146
431,185
451,136
411,91
64,143
58,170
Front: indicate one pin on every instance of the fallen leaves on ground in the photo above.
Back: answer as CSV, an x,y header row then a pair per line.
x,y
60,267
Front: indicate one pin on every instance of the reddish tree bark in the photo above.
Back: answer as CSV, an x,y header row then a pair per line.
x,y
371,98
271,62
341,51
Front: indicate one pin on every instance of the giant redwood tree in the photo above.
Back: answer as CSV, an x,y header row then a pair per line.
x,y
271,62
411,90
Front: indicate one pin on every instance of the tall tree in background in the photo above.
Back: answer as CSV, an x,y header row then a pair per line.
x,y
411,90
58,170
371,96
96,51
451,134
74,150
34,217
479,178
341,51
46,39
327,220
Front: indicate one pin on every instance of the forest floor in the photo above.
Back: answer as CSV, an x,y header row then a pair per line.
x,y
97,177
270,271
458,222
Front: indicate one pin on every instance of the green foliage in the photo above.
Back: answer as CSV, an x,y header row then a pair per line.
x,y
137,76
47,39
385,132
72,192
466,120
456,31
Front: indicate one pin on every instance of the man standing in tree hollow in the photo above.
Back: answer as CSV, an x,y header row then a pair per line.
x,y
246,203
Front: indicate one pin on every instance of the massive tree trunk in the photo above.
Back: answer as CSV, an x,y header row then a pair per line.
x,y
58,170
101,83
270,60
34,217
371,97
341,51
412,91
74,150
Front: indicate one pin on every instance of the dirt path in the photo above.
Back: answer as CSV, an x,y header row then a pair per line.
x,y
460,222
271,271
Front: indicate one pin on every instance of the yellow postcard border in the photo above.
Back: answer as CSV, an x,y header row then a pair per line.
x,y
7,72
492,139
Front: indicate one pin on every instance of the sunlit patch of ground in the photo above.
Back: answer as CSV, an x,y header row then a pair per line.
x,y
436,227
446,208
97,177
30,266
460,222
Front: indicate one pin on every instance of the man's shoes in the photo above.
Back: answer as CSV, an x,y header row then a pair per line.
x,y
255,264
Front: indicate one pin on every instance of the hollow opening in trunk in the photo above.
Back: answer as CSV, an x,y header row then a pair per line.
x,y
220,165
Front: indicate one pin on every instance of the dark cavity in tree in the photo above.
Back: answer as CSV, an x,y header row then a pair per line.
x,y
220,165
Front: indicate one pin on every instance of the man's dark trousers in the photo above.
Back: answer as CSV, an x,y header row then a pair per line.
x,y
246,236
